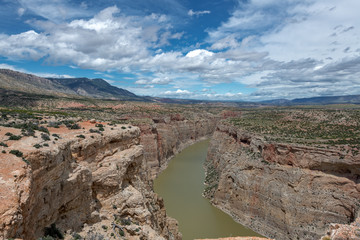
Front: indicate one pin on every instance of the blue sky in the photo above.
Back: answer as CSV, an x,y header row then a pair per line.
x,y
203,49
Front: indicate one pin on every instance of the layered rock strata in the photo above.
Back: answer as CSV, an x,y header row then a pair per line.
x,y
283,191
169,135
85,182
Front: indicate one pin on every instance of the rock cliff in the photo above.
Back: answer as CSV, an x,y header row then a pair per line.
x,y
283,191
167,136
86,182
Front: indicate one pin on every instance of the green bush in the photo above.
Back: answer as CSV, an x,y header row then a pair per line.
x,y
75,126
56,135
3,144
17,153
15,137
37,146
45,137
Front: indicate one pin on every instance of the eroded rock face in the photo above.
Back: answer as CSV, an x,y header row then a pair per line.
x,y
83,184
169,135
282,191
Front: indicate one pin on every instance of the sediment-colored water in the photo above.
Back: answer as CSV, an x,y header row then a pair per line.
x,y
181,186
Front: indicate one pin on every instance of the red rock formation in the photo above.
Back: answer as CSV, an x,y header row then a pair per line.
x,y
166,137
283,191
81,184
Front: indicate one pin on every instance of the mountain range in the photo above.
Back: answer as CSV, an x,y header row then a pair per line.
x,y
64,87
15,81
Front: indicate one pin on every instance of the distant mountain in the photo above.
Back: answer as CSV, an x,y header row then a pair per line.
x,y
22,82
71,87
348,99
95,88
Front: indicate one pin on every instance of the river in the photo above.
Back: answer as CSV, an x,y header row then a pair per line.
x,y
181,186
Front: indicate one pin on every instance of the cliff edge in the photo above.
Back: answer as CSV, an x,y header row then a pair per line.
x,y
283,190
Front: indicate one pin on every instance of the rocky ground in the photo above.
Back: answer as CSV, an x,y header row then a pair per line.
x,y
287,189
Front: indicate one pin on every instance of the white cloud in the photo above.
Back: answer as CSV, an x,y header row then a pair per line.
x,y
290,47
45,75
56,11
178,93
21,11
283,48
197,13
53,75
199,53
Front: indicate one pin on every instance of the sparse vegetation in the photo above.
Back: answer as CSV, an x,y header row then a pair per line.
x,y
45,137
15,137
16,153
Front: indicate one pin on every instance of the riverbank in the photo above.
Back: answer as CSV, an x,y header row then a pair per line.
x,y
181,185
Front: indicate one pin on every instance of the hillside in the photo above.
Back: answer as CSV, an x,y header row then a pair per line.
x,y
67,87
348,99
95,88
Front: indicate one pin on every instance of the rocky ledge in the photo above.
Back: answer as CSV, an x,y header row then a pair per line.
x,y
283,191
91,181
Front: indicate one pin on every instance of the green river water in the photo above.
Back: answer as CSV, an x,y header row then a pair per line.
x,y
181,186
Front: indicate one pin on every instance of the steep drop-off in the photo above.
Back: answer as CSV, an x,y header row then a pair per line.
x,y
83,183
170,134
283,191
90,182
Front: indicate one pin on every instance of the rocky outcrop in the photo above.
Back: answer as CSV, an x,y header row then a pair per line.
x,y
84,182
169,135
344,231
283,191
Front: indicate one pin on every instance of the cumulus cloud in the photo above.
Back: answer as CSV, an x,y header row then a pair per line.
x,y
282,48
154,81
293,48
178,93
197,13
106,41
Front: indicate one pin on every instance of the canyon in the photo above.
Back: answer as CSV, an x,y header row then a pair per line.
x,y
96,180
92,183
283,191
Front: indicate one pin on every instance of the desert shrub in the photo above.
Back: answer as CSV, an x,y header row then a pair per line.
x,y
37,146
15,137
45,137
43,129
3,144
54,124
75,126
17,153
94,130
80,136
56,135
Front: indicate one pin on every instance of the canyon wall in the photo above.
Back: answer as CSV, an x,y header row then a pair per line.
x,y
283,191
88,182
170,134
85,183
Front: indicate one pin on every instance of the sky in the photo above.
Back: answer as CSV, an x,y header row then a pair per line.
x,y
239,50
